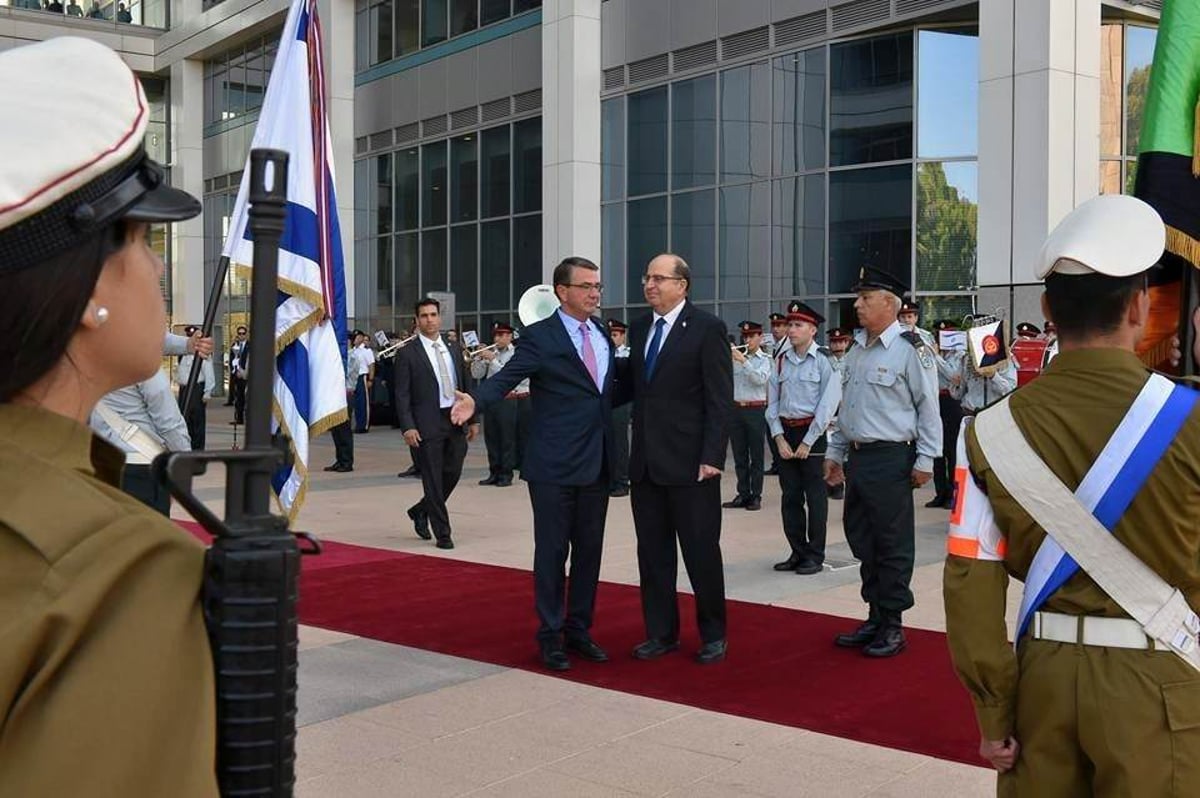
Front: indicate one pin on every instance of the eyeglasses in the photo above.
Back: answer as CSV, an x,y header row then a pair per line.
x,y
597,287
657,279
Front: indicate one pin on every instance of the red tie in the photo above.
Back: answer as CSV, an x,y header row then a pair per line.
x,y
589,355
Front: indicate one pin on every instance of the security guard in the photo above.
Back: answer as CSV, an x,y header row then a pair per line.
x,y
803,394
950,391
501,421
748,426
1088,703
104,657
621,416
775,347
888,434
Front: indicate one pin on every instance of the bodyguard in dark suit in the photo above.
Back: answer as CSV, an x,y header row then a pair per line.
x,y
428,373
568,361
681,378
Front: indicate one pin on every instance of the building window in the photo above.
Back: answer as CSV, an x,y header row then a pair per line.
x,y
1126,52
236,81
647,142
694,133
388,29
871,100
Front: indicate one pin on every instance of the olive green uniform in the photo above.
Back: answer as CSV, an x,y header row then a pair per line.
x,y
106,678
1090,720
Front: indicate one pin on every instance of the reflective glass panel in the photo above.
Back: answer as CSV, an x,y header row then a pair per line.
x,y
494,263
694,238
406,280
383,279
433,22
383,193
612,253
948,93
381,31
745,241
408,183
408,26
871,100
433,170
947,224
527,254
694,132
647,142
647,226
520,6
433,260
363,181
493,11
464,16
1139,53
1112,71
1130,176
746,123
464,267
798,237
798,130
870,222
495,164
612,148
527,165
1110,177
464,178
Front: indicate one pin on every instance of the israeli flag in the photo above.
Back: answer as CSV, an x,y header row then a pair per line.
x,y
310,321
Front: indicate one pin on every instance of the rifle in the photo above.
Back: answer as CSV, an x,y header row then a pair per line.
x,y
250,576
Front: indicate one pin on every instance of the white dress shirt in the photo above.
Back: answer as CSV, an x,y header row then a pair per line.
x,y
672,316
431,352
600,342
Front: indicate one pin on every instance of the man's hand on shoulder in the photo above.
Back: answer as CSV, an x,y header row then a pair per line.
x,y
463,409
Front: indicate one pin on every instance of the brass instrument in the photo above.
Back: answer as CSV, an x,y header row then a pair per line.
x,y
470,355
392,349
739,347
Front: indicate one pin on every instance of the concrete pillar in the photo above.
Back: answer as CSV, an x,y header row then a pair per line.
x,y
337,27
1039,134
571,83
188,287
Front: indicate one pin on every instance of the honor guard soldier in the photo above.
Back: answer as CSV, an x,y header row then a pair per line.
x,y
775,347
748,426
502,420
620,419
803,394
888,434
1083,486
950,390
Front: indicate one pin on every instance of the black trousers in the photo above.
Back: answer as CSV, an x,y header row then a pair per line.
x,y
524,425
568,521
500,437
620,434
879,524
139,482
747,428
440,460
343,444
774,452
802,482
692,514
943,467
237,387
196,418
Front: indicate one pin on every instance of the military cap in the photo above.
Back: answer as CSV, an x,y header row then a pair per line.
x,y
1113,234
943,325
79,114
872,278
616,325
750,328
908,306
777,318
502,327
1028,330
358,332
798,311
838,334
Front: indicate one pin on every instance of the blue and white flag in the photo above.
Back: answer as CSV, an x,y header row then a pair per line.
x,y
310,321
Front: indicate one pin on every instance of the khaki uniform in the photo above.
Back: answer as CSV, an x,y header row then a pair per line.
x,y
1090,720
106,678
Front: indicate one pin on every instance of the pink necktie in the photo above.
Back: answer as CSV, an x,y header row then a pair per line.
x,y
589,355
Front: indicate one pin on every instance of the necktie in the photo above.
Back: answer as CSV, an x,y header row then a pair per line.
x,y
655,343
589,355
444,371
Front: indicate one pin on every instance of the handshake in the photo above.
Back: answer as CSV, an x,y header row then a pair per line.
x,y
463,409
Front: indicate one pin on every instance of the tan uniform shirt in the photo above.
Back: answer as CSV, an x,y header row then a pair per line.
x,y
1068,414
106,678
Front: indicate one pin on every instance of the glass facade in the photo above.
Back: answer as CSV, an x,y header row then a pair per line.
x,y
107,13
1126,52
461,214
236,80
780,179
387,29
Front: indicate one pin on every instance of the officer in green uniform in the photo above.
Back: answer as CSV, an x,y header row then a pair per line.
x,y
106,677
1087,704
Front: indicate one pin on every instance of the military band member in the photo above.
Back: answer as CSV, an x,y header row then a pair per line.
x,y
775,347
501,423
748,426
363,358
950,392
620,419
803,394
888,434
839,340
979,391
910,320
1088,703
1028,329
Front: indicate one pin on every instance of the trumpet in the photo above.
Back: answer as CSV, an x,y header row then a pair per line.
x,y
739,347
392,349
470,355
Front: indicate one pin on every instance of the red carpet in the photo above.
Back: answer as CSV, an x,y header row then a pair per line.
x,y
782,666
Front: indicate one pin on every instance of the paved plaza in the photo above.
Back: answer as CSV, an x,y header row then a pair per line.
x,y
385,720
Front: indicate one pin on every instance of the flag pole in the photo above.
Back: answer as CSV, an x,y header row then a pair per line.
x,y
210,318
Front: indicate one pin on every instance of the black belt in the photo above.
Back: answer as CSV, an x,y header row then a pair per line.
x,y
877,445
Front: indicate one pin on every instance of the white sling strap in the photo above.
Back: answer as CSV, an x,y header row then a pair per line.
x,y
1161,609
145,447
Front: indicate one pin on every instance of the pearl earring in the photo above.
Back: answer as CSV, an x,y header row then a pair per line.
x,y
101,315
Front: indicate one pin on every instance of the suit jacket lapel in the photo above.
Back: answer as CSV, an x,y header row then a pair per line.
x,y
678,330
564,340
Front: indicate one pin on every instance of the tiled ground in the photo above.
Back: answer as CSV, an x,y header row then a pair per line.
x,y
385,720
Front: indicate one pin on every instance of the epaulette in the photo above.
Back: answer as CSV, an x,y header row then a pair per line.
x,y
918,344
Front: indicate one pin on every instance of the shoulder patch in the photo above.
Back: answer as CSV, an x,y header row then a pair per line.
x,y
918,344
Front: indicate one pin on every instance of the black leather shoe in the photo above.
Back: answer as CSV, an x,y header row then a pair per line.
x,y
773,471
888,643
411,471
553,656
736,503
787,565
653,649
445,543
489,480
338,467
754,503
938,501
504,482
808,568
837,491
586,647
420,523
860,637
619,492
711,652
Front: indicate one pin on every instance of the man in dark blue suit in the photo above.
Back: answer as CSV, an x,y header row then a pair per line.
x,y
569,362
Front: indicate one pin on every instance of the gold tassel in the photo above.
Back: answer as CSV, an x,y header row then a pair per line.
x,y
1183,245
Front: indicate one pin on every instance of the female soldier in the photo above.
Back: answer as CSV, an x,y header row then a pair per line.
x,y
106,684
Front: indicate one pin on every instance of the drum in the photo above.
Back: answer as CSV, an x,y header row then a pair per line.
x,y
1031,355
